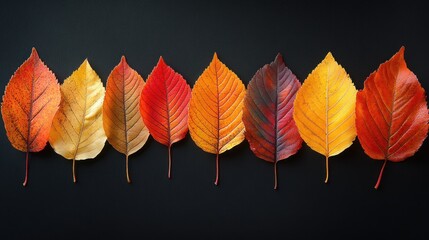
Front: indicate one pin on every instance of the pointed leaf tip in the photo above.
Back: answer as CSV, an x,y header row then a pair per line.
x,y
86,64
34,52
161,61
123,63
215,57
329,56
279,58
400,54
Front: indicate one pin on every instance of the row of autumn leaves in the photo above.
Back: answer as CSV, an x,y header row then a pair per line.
x,y
389,115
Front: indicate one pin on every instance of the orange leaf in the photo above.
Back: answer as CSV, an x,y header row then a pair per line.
x,y
391,113
30,102
164,106
216,109
122,121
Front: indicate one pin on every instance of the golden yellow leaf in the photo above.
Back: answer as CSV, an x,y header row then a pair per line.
x,y
122,121
77,129
324,109
216,109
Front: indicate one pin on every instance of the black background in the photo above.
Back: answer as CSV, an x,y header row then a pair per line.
x,y
246,36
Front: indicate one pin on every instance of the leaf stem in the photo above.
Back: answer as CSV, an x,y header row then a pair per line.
x,y
126,169
275,175
327,169
74,170
380,175
169,161
26,170
217,170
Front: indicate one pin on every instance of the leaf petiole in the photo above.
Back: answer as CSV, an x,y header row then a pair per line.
x,y
380,175
217,170
275,175
327,169
26,170
74,170
169,161
126,169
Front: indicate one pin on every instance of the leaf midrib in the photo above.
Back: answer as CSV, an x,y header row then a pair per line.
x,y
167,106
124,110
218,108
276,111
389,135
30,112
83,118
326,111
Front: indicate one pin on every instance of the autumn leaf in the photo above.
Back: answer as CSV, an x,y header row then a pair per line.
x,y
77,129
324,109
30,102
164,106
268,113
216,109
122,121
391,113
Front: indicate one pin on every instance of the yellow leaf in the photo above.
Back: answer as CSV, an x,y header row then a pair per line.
x,y
324,109
216,109
122,121
77,129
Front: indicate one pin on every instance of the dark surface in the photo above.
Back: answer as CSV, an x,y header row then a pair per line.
x,y
245,37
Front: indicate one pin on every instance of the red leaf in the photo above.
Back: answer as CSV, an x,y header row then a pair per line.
x,y
268,113
164,106
391,112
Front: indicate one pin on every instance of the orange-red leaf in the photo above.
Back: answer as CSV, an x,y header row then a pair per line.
x,y
391,112
268,113
216,109
164,106
122,121
30,102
